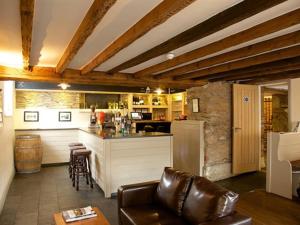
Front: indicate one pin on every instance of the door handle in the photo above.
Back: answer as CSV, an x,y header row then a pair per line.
x,y
237,128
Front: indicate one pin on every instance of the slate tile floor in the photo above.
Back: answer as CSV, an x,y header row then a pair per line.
x,y
33,198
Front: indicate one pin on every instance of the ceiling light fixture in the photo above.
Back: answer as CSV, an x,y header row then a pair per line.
x,y
148,90
64,86
170,55
159,91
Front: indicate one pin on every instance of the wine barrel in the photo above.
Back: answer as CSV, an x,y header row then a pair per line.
x,y
28,153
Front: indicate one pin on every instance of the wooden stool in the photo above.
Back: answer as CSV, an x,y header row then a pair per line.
x,y
72,148
81,167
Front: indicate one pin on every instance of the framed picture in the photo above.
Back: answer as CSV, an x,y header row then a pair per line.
x,y
64,116
195,102
1,117
31,116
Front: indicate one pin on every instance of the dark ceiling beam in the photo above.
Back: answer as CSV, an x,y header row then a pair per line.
x,y
285,63
93,17
155,17
48,74
285,53
274,77
268,27
26,12
251,50
216,23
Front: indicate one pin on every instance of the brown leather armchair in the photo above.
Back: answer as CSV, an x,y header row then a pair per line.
x,y
178,199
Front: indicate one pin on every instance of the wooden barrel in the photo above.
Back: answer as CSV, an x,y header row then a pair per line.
x,y
28,153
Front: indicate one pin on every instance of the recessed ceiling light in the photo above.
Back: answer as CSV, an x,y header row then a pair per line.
x,y
170,55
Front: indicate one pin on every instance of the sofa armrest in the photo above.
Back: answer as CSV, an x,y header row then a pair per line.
x,y
136,194
234,219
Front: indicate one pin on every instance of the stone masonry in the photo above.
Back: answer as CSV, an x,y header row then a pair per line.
x,y
215,103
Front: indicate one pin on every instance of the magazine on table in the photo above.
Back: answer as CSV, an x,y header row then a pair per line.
x,y
78,214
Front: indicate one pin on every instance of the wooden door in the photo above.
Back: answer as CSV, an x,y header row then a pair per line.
x,y
246,128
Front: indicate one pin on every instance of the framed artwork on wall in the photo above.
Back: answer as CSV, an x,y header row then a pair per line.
x,y
31,116
195,104
64,116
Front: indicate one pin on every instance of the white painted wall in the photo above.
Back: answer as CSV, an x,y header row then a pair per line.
x,y
48,118
7,156
294,102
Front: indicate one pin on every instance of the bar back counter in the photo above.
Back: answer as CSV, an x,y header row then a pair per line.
x,y
116,159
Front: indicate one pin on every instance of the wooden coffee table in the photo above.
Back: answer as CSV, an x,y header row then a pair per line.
x,y
99,220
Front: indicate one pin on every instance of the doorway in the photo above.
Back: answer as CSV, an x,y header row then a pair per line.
x,y
274,105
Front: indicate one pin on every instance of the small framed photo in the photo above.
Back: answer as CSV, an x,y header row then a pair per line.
x,y
31,116
1,117
64,116
195,102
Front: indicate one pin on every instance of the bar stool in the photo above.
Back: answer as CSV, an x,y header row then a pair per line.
x,y
72,147
81,167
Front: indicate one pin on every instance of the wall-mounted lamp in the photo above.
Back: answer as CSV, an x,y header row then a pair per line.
x,y
8,98
64,86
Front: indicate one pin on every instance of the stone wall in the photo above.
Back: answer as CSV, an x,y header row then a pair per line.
x,y
215,101
51,100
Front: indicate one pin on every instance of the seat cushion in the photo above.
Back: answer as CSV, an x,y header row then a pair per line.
x,y
172,189
149,214
208,201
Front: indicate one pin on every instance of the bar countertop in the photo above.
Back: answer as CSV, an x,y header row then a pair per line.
x,y
112,135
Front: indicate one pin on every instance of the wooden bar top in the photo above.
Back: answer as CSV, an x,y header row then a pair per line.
x,y
99,220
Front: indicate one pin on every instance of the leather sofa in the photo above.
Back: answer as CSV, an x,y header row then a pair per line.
x,y
178,199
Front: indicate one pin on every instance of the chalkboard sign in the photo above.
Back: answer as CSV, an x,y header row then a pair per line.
x,y
100,100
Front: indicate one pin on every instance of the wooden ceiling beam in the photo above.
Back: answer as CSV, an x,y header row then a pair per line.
x,y
251,50
49,74
285,63
155,17
275,77
93,17
26,12
259,73
265,28
216,23
285,53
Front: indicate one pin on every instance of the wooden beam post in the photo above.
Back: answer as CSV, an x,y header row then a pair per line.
x,y
94,15
155,17
26,12
255,60
258,48
265,28
216,23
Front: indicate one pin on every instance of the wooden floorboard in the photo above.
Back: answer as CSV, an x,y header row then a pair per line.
x,y
269,209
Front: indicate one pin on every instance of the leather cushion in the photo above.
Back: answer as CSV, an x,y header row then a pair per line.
x,y
208,201
149,214
172,189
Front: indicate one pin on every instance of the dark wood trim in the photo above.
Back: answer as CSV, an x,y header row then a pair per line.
x,y
26,11
280,64
255,60
273,77
216,23
258,48
48,74
94,15
268,27
155,17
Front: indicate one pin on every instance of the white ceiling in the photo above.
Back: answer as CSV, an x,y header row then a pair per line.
x,y
55,22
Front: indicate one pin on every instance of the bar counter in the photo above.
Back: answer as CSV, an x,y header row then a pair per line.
x,y
106,134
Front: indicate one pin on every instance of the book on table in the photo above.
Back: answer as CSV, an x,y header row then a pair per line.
x,y
78,214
